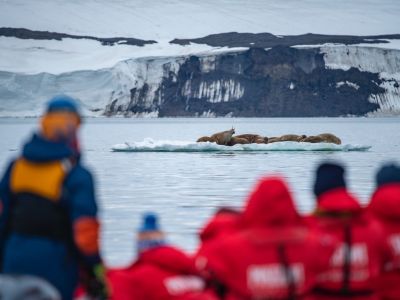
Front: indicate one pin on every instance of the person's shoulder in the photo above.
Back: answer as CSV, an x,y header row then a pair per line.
x,y
141,270
79,173
168,251
222,247
81,169
168,257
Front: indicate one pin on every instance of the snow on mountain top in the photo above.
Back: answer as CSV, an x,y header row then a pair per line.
x,y
169,19
165,20
67,55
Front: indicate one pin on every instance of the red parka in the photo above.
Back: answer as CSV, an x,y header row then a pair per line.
x,y
162,273
274,256
358,259
385,205
221,225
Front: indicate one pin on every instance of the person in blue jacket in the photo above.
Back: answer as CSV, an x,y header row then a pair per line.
x,y
48,220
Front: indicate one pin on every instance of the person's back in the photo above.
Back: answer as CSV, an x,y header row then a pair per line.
x,y
358,259
221,225
274,255
385,206
161,272
48,221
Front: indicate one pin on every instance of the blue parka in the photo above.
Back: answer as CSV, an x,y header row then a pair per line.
x,y
54,260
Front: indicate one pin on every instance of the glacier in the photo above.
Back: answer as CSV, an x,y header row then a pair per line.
x,y
147,86
193,79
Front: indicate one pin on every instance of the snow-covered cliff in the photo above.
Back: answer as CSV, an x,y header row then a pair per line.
x,y
386,62
171,58
282,81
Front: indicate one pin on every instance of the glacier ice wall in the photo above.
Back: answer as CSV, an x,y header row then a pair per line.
x,y
332,80
25,95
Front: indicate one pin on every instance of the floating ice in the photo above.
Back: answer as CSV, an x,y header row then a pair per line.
x,y
150,145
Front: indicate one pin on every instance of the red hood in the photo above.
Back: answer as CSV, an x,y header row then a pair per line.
x,y
270,204
338,200
220,224
385,202
168,258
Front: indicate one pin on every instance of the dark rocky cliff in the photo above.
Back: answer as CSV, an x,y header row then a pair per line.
x,y
280,82
276,77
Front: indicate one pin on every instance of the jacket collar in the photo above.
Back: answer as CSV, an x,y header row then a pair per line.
x,y
40,149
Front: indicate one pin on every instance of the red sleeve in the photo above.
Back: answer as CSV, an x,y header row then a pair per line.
x,y
86,235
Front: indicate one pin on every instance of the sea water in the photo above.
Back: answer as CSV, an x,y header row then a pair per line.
x,y
166,172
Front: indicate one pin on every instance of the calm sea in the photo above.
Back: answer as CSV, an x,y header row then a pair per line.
x,y
185,188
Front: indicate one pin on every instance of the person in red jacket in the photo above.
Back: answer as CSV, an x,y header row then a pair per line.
x,y
358,259
385,205
274,255
221,225
223,222
161,272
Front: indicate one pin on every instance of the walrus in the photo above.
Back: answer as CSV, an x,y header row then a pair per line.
x,y
286,138
262,140
273,139
330,138
252,138
313,139
291,138
237,140
204,139
223,137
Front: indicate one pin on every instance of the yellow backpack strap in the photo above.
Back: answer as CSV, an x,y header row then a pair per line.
x,y
40,178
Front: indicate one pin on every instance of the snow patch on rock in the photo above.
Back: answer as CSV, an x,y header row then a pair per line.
x,y
386,62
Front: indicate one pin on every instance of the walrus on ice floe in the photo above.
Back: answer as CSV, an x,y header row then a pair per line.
x,y
204,139
322,138
286,138
226,138
291,138
330,138
221,138
237,140
273,139
253,138
313,139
